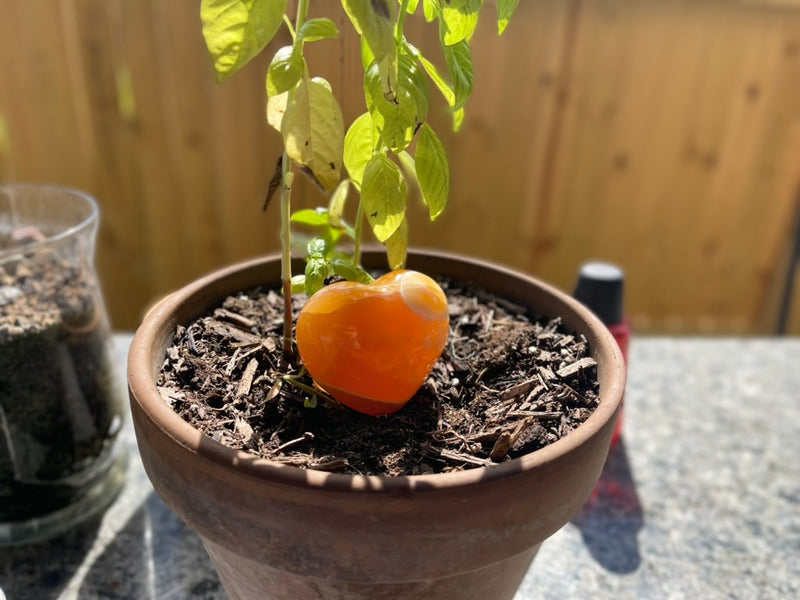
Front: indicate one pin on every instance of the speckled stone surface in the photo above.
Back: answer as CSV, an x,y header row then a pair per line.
x,y
701,498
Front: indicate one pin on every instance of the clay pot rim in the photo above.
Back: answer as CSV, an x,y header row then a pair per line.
x,y
142,388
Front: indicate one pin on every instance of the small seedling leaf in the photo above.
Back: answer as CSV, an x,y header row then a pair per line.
x,y
298,284
383,196
311,217
236,30
316,273
349,271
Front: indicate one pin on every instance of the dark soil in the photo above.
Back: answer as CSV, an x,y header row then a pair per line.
x,y
506,385
58,416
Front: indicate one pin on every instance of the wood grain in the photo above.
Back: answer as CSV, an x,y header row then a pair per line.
x,y
660,135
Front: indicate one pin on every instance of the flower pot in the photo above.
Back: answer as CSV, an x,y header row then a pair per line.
x,y
60,410
276,531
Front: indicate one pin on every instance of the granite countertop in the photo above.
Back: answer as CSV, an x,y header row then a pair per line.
x,y
700,499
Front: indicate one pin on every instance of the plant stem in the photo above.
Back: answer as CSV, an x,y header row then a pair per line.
x,y
358,234
302,14
401,18
286,255
286,214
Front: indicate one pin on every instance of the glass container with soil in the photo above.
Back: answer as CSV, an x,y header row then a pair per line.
x,y
60,411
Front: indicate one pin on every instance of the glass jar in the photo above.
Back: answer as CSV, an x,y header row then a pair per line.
x,y
61,409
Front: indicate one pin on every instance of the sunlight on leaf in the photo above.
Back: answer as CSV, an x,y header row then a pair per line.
x,y
359,144
236,30
374,20
313,131
505,10
284,71
383,195
397,247
460,20
459,62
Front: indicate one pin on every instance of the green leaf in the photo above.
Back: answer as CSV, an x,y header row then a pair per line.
x,y
316,273
398,121
336,204
383,196
359,143
442,85
459,62
237,30
317,29
317,248
411,7
409,167
349,271
313,131
367,57
397,247
458,119
298,284
284,71
374,20
460,18
431,9
433,171
311,217
505,10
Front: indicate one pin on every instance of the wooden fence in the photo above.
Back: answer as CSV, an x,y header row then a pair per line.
x,y
663,135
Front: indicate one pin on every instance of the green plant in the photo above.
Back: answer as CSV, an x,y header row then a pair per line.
x,y
376,148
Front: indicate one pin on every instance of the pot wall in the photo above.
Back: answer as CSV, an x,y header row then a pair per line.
x,y
320,535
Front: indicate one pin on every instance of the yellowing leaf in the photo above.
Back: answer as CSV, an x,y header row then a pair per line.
x,y
313,131
383,196
336,204
276,107
236,30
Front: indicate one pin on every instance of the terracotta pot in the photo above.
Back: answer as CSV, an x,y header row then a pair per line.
x,y
275,531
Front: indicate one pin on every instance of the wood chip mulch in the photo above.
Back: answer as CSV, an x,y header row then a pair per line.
x,y
505,386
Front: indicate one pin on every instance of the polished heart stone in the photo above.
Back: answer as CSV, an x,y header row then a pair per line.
x,y
371,346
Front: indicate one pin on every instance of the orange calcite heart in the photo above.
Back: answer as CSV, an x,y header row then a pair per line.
x,y
372,346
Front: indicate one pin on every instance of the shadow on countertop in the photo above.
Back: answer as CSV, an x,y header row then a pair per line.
x,y
154,556
42,571
612,517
